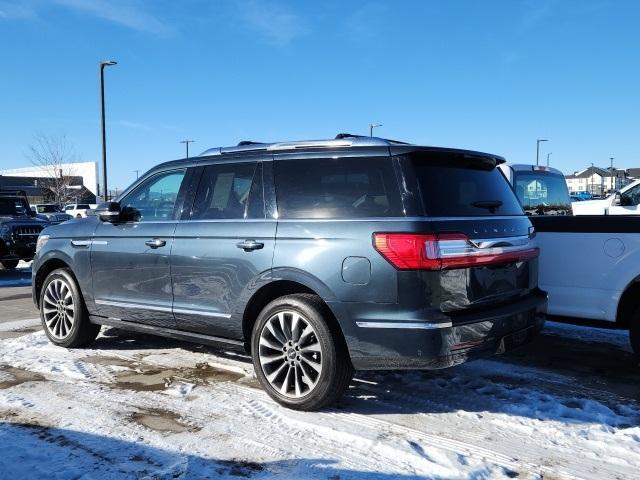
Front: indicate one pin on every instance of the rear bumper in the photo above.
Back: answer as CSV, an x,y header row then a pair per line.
x,y
398,344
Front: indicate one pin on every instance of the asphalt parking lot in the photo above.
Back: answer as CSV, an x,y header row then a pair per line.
x,y
18,315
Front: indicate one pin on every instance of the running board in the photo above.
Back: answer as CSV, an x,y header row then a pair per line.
x,y
166,332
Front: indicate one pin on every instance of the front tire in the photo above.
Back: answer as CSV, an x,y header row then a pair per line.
x,y
63,313
299,360
10,264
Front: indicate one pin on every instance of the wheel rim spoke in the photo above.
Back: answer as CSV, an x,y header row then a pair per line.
x,y
58,309
290,354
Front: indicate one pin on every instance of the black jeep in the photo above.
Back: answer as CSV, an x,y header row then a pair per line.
x,y
19,229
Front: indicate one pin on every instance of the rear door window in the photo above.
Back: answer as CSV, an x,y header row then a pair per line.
x,y
459,186
359,187
224,192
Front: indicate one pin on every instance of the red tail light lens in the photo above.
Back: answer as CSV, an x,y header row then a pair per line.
x,y
409,251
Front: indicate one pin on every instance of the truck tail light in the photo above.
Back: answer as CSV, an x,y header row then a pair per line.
x,y
417,251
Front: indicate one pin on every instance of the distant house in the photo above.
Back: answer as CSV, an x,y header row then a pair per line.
x,y
597,181
633,173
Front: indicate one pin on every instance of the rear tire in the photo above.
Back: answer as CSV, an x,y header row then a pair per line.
x,y
634,332
299,360
63,314
10,264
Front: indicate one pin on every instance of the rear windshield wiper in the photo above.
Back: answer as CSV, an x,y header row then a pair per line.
x,y
490,205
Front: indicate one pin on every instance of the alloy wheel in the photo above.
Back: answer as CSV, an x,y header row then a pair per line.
x,y
58,309
290,354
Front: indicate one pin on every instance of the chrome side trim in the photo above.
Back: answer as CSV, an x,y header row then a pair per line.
x,y
155,308
81,243
133,305
200,312
100,242
406,325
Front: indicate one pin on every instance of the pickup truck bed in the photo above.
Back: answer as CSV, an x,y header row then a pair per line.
x,y
590,267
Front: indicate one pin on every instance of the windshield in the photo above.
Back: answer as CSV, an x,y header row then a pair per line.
x,y
13,207
542,192
47,208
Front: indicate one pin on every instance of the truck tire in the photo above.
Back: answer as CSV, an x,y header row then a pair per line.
x,y
634,332
63,314
10,264
300,361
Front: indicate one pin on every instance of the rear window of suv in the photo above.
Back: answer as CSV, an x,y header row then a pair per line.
x,y
356,187
457,186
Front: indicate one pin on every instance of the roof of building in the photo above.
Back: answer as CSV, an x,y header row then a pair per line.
x,y
603,172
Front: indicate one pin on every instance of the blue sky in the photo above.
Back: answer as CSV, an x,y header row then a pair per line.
x,y
486,75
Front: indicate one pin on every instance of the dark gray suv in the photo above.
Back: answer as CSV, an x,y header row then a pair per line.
x,y
317,257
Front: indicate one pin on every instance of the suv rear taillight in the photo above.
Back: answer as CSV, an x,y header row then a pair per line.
x,y
418,251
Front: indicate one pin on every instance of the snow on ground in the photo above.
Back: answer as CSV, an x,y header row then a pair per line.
x,y
141,407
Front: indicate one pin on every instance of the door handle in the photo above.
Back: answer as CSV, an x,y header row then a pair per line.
x,y
248,245
155,243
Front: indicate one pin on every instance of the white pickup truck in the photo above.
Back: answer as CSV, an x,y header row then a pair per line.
x,y
79,210
624,202
590,267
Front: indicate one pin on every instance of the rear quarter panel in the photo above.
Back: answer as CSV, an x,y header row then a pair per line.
x,y
586,263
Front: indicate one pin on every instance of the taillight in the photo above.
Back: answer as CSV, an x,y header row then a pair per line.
x,y
417,251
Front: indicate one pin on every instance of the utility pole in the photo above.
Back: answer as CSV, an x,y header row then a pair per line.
x,y
548,155
105,63
538,149
614,177
372,126
186,143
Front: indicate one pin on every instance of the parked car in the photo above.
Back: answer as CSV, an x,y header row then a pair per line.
x,y
575,198
589,267
50,212
623,202
541,190
78,210
19,229
317,257
582,195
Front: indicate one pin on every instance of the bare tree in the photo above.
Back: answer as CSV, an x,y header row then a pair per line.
x,y
54,156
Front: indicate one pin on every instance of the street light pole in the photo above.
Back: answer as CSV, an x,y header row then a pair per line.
x,y
372,126
538,149
186,143
548,155
106,63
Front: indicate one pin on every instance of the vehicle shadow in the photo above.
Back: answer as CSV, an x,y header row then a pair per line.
x,y
37,451
561,376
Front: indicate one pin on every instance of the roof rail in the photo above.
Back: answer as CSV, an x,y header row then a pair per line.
x,y
341,140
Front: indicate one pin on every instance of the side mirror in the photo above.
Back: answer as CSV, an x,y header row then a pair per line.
x,y
32,213
108,212
617,199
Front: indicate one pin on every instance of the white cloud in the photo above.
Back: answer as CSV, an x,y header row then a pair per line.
x,y
16,10
122,12
277,24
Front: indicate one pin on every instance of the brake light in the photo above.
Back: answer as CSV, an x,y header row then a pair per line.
x,y
411,251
